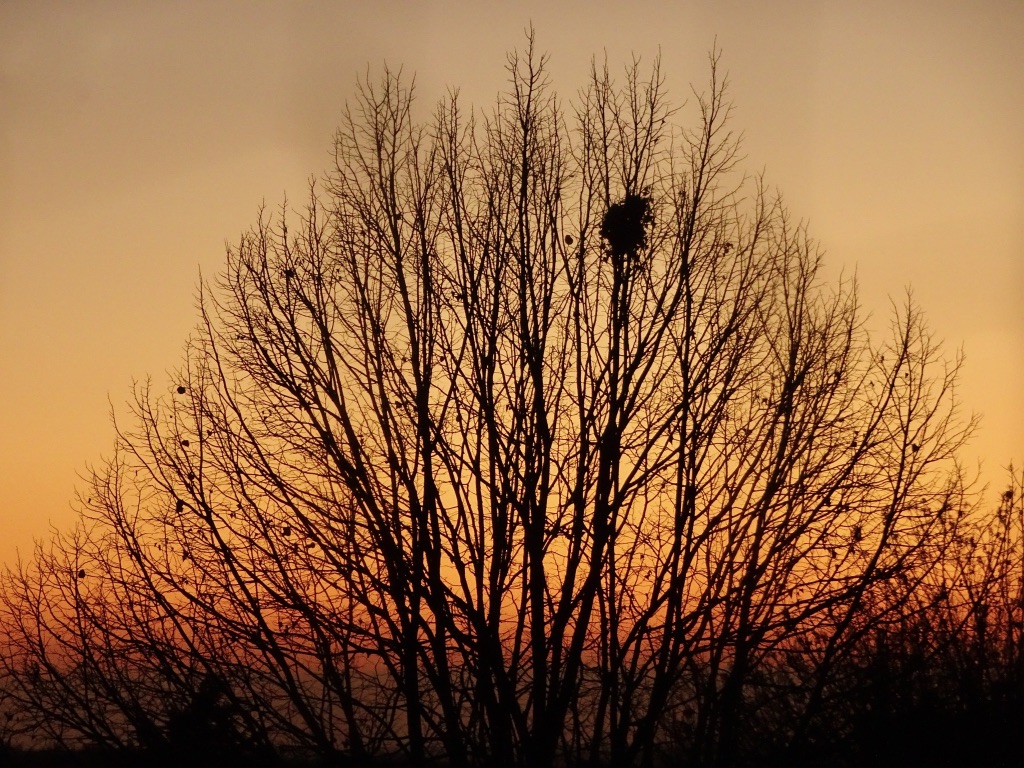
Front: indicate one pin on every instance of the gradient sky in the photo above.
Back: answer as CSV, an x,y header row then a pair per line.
x,y
136,138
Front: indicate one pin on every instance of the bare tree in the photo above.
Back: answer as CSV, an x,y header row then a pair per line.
x,y
537,435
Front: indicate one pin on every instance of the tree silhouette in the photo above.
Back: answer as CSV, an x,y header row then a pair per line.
x,y
536,437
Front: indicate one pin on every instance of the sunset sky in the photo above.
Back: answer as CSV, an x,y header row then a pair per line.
x,y
136,138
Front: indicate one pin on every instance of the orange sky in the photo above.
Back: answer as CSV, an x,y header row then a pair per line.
x,y
135,138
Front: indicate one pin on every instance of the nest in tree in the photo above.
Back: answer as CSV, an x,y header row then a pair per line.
x,y
625,225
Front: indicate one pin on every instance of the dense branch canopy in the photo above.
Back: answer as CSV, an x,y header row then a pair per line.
x,y
536,435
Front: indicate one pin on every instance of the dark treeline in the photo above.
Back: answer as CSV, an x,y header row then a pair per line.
x,y
536,438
